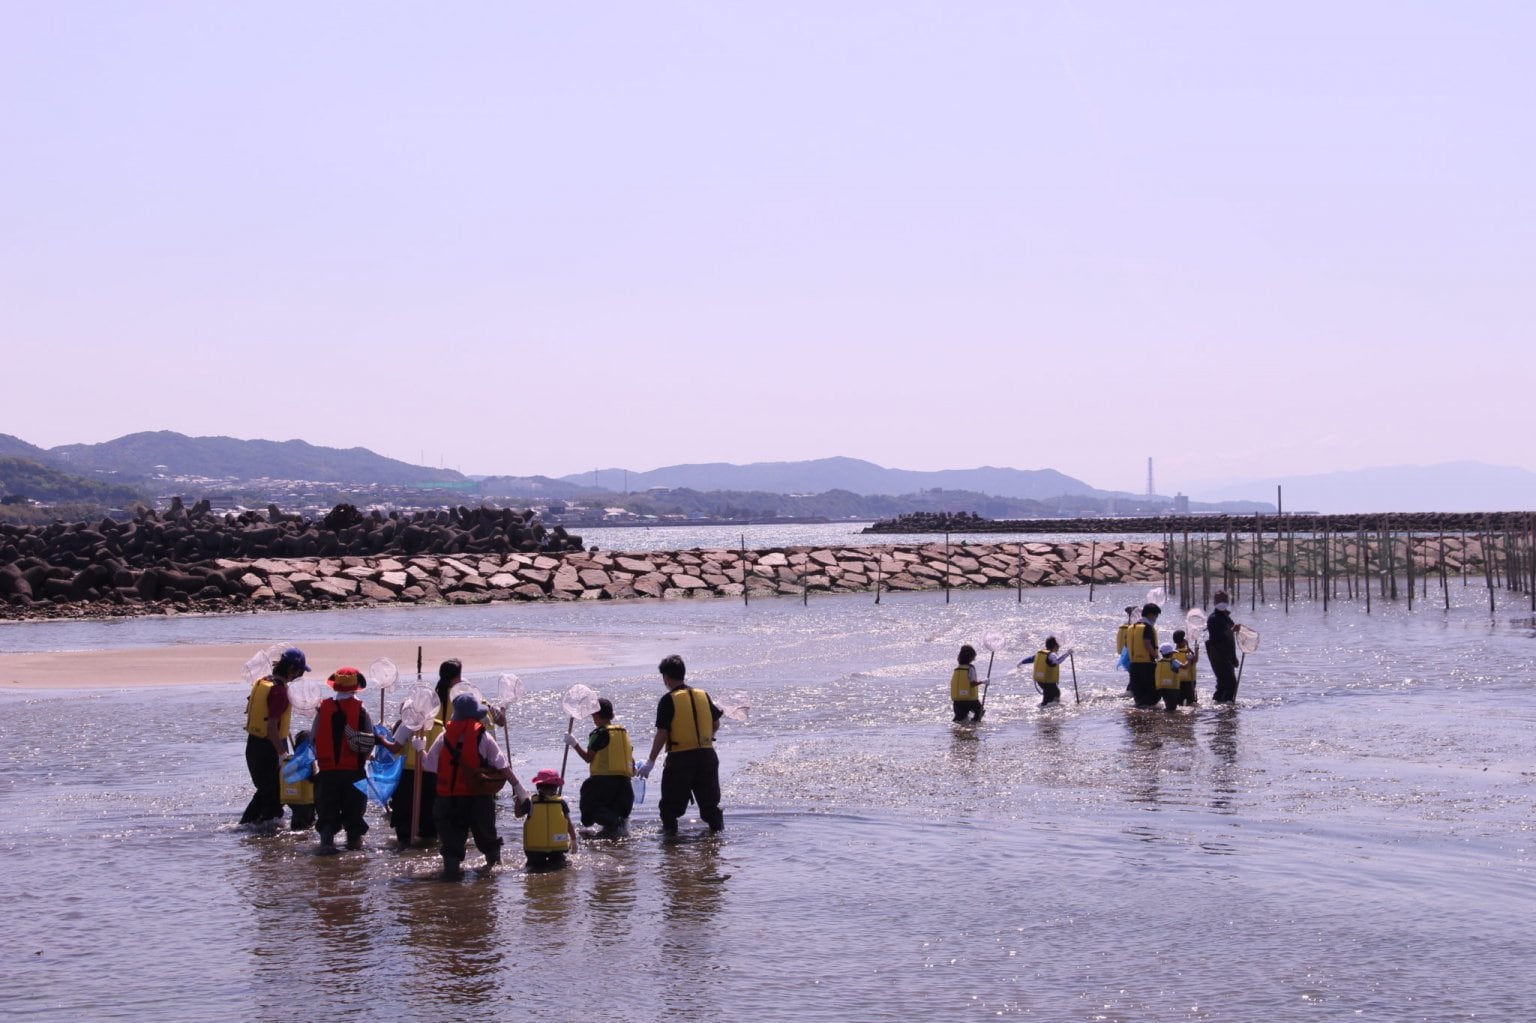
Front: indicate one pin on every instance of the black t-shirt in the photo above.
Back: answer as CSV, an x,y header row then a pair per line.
x,y
1222,642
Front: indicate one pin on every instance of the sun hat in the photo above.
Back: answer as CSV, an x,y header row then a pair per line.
x,y
548,776
346,680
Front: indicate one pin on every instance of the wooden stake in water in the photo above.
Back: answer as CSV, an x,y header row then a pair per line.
x,y
1185,573
1445,588
1093,560
1205,569
1530,527
1365,566
1325,567
1488,569
1391,559
746,598
1256,563
1168,584
1287,567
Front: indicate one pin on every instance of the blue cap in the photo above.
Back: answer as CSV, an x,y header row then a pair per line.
x,y
466,705
293,657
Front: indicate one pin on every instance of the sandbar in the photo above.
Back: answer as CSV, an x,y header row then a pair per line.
x,y
184,664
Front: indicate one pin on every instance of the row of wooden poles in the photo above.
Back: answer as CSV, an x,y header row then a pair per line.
x,y
1327,566
1324,563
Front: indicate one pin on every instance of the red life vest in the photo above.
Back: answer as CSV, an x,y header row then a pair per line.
x,y
459,758
331,749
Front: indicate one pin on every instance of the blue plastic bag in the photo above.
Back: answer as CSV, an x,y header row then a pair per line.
x,y
299,766
637,785
1124,663
383,776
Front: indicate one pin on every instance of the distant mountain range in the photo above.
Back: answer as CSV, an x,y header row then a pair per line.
x,y
167,462
1446,487
823,474
143,456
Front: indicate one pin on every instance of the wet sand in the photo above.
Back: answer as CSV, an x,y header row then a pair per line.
x,y
198,664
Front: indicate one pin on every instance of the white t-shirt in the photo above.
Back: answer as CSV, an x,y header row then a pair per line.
x,y
490,753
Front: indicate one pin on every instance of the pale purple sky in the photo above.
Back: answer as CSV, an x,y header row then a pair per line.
x,y
542,238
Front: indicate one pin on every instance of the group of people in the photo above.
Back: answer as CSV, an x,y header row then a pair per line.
x,y
454,767
1160,672
1165,672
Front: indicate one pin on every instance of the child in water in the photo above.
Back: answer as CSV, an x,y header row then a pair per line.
x,y
1123,643
1047,669
547,830
299,795
964,689
1169,667
1189,656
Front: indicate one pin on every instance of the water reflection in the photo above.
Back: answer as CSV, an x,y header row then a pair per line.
x,y
1144,732
449,946
610,903
690,945
965,752
1048,735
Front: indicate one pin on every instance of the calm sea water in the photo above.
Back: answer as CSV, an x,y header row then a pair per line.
x,y
667,538
1353,840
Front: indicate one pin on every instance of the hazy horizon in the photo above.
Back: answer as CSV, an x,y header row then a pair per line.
x,y
1461,486
513,239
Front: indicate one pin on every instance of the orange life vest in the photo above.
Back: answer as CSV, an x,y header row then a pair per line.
x,y
331,749
459,758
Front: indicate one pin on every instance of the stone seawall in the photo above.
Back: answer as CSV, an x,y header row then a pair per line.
x,y
322,582
1292,523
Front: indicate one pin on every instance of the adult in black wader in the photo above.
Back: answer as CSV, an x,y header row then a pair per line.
x,y
685,727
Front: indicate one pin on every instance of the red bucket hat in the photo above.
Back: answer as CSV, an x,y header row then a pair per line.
x,y
346,680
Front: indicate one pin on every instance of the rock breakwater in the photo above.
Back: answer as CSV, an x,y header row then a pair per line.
x,y
1161,525
277,583
191,556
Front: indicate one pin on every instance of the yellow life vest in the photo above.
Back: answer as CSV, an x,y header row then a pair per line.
x,y
1122,637
960,685
1167,675
256,710
616,758
1046,673
693,725
1188,674
427,739
547,829
1137,640
297,793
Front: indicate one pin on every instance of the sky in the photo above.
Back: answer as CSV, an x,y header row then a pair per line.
x,y
527,238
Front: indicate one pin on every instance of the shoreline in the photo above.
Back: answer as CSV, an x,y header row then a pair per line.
x,y
221,663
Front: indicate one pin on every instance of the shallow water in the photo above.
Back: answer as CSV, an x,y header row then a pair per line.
x,y
1353,839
